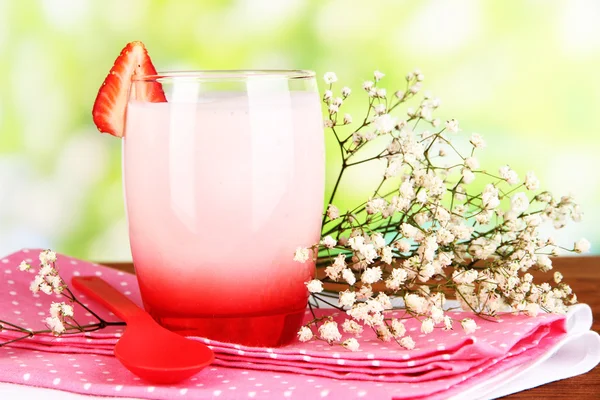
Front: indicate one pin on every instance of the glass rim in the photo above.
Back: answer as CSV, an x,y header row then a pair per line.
x,y
232,74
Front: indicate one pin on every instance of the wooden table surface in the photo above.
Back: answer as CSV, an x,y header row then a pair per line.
x,y
583,274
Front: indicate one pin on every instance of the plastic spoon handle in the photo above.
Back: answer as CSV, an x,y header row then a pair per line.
x,y
102,292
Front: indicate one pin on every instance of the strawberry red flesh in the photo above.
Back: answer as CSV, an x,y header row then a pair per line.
x,y
111,102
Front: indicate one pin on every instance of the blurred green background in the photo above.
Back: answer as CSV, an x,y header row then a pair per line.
x,y
522,73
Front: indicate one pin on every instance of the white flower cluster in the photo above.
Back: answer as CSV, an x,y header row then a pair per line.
x,y
423,234
59,312
47,280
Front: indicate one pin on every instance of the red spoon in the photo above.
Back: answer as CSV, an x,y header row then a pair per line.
x,y
150,351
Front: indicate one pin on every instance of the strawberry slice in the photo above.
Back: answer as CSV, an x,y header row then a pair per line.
x,y
111,102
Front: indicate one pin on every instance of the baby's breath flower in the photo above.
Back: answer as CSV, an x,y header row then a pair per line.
x,y
519,202
402,245
67,310
582,246
471,163
467,175
376,205
351,344
483,217
477,141
407,342
305,334
365,292
452,126
447,323
468,325
531,181
383,333
314,286
330,77
46,270
396,279
384,300
368,85
55,310
348,276
360,311
387,255
61,310
56,283
36,283
55,325
378,75
509,175
371,275
378,240
24,266
333,212
368,253
414,89
385,123
347,298
437,314
329,331
351,326
532,309
558,277
47,257
411,232
397,328
380,109
417,232
416,303
45,288
333,272
464,277
427,325
328,242
302,254
489,197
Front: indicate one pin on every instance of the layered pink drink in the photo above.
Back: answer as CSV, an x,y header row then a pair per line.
x,y
222,183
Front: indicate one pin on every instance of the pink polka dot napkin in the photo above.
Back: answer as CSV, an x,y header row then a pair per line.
x,y
442,364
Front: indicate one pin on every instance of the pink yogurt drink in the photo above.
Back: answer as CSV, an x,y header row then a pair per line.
x,y
222,183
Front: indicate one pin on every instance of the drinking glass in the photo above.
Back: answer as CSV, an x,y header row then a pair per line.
x,y
223,182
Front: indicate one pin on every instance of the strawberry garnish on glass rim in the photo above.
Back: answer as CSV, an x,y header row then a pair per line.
x,y
111,102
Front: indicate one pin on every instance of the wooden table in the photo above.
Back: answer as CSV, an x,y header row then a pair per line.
x,y
583,274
